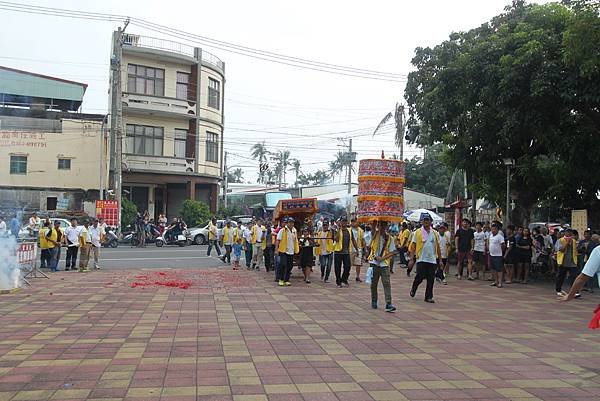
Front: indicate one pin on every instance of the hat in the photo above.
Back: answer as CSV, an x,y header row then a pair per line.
x,y
425,216
56,222
326,221
289,219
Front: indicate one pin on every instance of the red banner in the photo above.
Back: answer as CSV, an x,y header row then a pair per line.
x,y
109,211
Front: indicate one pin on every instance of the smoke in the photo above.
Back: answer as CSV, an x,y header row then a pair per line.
x,y
10,273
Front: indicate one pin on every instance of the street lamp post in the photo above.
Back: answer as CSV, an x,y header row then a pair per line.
x,y
508,163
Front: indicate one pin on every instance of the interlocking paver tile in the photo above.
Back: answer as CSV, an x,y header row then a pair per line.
x,y
235,336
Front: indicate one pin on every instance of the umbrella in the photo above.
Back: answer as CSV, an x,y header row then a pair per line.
x,y
415,215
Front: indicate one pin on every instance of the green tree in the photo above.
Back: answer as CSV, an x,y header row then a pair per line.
x,y
523,86
235,176
282,157
259,152
128,212
296,168
338,164
319,177
429,174
194,212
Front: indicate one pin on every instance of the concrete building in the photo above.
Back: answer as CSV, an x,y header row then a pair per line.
x,y
50,155
172,108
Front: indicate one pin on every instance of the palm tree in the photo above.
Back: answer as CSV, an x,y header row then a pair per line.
x,y
235,176
336,166
283,162
259,151
296,168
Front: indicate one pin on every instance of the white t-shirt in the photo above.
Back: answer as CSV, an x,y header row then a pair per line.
x,y
378,251
259,233
72,234
444,240
323,235
247,234
479,241
2,227
495,244
291,235
95,234
592,266
428,254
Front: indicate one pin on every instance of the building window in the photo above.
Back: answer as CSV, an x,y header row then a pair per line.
x,y
180,141
144,140
64,164
18,164
145,80
185,89
212,147
214,94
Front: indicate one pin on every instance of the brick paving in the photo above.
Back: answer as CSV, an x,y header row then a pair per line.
x,y
236,336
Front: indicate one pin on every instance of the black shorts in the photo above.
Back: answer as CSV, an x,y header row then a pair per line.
x,y
478,257
497,263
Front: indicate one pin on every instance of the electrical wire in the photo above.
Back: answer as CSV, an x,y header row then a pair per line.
x,y
212,43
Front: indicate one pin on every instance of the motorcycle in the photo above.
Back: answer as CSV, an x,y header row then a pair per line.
x,y
110,238
182,239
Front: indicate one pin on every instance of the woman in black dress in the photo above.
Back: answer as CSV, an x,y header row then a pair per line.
x,y
524,248
307,243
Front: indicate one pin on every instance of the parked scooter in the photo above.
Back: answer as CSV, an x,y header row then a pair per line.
x,y
110,238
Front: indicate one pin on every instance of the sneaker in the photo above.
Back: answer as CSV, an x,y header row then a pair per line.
x,y
97,267
459,277
307,281
444,282
390,308
470,278
493,285
281,283
578,295
326,281
339,286
412,293
358,280
287,283
345,285
392,271
373,305
430,301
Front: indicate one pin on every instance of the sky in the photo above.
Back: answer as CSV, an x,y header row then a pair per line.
x,y
306,112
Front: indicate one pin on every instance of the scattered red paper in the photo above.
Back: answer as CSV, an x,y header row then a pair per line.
x,y
161,279
595,322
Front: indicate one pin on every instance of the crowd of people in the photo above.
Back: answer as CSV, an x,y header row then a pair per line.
x,y
486,251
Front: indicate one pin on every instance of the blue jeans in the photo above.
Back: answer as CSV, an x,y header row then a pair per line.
x,y
54,258
325,262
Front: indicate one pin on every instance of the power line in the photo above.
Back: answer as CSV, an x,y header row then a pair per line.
x,y
211,43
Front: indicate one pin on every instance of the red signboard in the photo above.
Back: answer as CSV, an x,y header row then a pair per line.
x,y
109,211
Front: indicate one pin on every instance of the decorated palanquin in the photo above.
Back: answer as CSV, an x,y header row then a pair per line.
x,y
380,190
300,209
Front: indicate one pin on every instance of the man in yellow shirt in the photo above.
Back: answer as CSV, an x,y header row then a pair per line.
x,y
213,237
229,238
45,256
357,258
324,250
54,239
85,246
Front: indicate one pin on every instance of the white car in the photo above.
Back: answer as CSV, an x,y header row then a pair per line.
x,y
24,233
199,235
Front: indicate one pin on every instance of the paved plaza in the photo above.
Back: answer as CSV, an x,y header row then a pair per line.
x,y
234,335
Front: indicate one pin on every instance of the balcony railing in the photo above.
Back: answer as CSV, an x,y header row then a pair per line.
x,y
169,46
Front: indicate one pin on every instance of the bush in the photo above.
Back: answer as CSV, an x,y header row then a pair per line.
x,y
194,212
128,212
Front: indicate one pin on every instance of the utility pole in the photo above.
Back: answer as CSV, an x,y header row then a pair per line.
x,y
350,160
116,114
225,180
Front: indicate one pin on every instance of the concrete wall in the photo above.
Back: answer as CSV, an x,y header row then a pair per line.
x,y
171,68
79,141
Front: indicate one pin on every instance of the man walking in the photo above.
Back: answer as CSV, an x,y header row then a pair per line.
x,y
34,225
54,238
445,241
72,241
96,236
248,245
256,240
426,248
229,238
344,247
324,250
496,247
44,246
85,245
213,237
383,248
464,240
269,250
566,258
287,245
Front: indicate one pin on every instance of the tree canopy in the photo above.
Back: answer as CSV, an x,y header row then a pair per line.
x,y
523,86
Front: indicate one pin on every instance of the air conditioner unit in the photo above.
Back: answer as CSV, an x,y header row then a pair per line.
x,y
131,40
